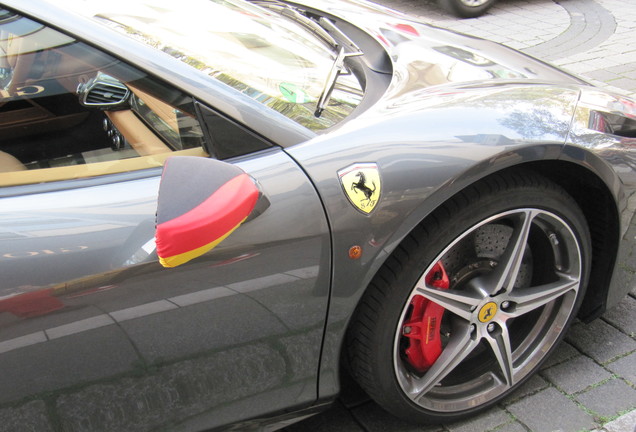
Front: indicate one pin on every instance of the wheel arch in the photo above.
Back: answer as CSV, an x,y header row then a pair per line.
x,y
505,188
442,178
587,185
599,208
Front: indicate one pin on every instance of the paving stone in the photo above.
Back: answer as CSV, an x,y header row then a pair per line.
x,y
597,83
563,352
625,83
514,16
623,68
576,374
602,62
489,420
584,56
30,417
623,315
625,423
600,341
609,398
615,48
625,367
375,419
613,56
512,427
531,386
538,413
590,25
580,67
602,75
516,45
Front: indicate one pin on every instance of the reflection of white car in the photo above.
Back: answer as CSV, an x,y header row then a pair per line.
x,y
467,8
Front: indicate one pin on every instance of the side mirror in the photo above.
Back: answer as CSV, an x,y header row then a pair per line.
x,y
201,202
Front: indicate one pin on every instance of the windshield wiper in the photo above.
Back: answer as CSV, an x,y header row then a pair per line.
x,y
324,29
347,49
293,14
309,24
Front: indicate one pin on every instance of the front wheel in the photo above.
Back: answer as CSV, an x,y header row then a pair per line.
x,y
467,8
473,301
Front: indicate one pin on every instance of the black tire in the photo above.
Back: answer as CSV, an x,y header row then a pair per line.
x,y
516,250
466,8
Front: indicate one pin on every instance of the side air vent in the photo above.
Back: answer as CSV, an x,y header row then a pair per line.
x,y
104,92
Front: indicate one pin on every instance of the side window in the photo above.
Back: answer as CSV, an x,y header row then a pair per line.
x,y
68,110
227,139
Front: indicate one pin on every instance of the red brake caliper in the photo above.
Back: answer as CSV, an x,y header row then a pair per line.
x,y
422,325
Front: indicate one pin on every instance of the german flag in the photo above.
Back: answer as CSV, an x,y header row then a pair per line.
x,y
193,220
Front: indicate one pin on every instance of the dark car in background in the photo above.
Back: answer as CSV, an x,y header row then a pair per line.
x,y
467,8
209,207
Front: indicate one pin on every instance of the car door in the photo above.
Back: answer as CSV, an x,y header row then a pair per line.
x,y
94,333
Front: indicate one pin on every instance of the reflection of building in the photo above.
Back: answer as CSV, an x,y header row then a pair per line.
x,y
486,139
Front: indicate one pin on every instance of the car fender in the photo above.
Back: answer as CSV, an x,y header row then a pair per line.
x,y
426,150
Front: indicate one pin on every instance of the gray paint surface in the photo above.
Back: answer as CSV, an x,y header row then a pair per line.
x,y
246,322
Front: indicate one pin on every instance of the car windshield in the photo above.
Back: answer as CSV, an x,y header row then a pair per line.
x,y
256,50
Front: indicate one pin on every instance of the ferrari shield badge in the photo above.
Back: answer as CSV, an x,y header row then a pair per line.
x,y
362,185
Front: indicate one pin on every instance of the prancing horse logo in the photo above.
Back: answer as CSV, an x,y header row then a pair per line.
x,y
362,185
487,312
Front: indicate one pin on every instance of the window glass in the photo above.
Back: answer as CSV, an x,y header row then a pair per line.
x,y
68,110
262,52
227,138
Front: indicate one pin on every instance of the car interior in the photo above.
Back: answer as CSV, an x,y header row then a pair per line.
x,y
68,110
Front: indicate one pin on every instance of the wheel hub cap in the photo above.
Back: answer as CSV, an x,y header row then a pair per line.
x,y
487,312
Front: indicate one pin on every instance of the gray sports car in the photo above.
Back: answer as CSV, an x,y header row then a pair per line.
x,y
210,208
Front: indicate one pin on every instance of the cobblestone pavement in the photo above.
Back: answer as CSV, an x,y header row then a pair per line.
x,y
592,38
589,383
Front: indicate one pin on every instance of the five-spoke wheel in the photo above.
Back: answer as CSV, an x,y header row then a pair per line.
x,y
473,301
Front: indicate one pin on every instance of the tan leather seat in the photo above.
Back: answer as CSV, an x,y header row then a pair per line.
x,y
9,163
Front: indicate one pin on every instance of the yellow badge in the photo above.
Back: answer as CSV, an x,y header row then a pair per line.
x,y
362,185
487,312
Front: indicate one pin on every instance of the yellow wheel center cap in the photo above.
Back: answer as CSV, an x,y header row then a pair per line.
x,y
487,312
